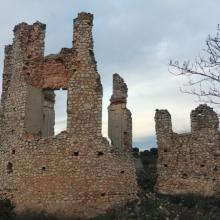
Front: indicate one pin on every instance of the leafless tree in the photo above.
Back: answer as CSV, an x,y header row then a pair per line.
x,y
204,73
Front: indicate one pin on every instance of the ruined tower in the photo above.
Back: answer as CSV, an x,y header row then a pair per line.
x,y
119,117
88,175
189,163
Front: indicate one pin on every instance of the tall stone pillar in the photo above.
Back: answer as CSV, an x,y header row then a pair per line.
x,y
163,127
165,144
119,117
84,104
27,50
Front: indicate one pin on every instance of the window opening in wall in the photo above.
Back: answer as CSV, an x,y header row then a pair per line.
x,y
76,153
165,165
100,153
60,111
43,168
9,167
47,112
184,175
13,151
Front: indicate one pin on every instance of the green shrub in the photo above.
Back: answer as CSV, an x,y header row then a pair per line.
x,y
187,215
29,215
6,209
175,199
190,201
135,150
105,217
145,153
153,151
213,201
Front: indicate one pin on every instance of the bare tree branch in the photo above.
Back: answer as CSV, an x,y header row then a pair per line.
x,y
204,73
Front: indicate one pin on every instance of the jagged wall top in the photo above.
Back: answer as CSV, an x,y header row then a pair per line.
x,y
179,153
203,117
83,27
72,68
30,39
120,90
164,117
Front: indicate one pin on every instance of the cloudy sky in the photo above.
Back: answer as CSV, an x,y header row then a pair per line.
x,y
133,38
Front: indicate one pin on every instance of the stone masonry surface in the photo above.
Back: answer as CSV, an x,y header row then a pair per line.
x,y
76,172
189,163
120,121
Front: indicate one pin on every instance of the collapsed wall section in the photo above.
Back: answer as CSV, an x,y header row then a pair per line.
x,y
189,163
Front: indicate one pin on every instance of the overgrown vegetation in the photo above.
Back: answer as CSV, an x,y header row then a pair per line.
x,y
149,206
147,178
6,209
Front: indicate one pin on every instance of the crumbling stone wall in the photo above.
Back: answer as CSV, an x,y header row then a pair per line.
x,y
76,172
189,163
119,117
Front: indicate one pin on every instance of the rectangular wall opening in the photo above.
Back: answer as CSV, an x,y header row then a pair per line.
x,y
60,111
46,112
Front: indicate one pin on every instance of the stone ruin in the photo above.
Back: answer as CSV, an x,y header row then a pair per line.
x,y
120,122
76,172
189,163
